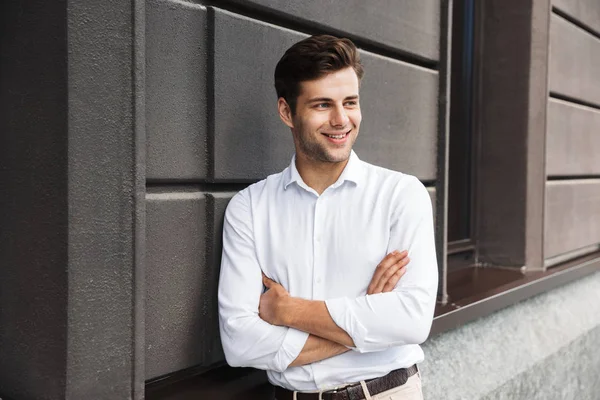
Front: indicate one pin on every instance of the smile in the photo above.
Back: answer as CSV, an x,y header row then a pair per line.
x,y
337,136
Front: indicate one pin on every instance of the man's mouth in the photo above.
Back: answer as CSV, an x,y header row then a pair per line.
x,y
337,136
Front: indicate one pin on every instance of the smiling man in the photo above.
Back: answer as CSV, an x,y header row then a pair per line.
x,y
330,238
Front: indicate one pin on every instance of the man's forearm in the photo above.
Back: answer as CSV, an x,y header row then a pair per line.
x,y
313,317
317,349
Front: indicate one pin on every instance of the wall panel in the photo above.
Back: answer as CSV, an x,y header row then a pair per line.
x,y
399,103
574,61
573,139
572,215
250,140
176,98
585,11
181,322
411,26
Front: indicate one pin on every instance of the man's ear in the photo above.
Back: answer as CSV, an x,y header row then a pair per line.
x,y
285,112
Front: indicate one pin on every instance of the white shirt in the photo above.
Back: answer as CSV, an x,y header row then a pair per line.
x,y
327,248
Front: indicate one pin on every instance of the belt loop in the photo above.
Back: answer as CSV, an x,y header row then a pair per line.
x,y
365,390
295,395
320,395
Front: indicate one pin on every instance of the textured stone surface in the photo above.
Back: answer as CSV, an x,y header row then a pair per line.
x,y
103,307
405,25
480,358
569,374
250,140
69,311
399,104
572,139
181,281
574,60
176,98
399,109
585,11
572,215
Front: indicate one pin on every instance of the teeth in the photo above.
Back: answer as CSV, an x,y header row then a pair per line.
x,y
337,136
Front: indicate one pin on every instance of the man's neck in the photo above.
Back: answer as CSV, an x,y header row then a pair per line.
x,y
319,175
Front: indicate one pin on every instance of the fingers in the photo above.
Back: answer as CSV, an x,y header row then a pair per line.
x,y
387,271
383,266
387,262
266,281
391,283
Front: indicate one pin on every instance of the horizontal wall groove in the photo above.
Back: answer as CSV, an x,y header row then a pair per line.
x,y
191,186
572,177
576,22
282,20
573,100
157,186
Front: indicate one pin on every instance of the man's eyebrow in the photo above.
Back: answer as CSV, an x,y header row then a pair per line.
x,y
320,99
327,99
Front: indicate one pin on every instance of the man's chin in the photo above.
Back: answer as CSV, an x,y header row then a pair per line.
x,y
338,157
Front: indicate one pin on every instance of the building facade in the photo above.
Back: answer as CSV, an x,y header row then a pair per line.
x,y
128,126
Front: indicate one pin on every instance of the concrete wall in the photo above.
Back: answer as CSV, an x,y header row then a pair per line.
x,y
542,348
69,320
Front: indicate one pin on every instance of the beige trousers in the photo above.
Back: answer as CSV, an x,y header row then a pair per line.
x,y
411,390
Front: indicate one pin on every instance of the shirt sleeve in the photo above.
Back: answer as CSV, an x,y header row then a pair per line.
x,y
403,316
247,340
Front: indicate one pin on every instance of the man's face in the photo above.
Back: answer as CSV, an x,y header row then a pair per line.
x,y
327,118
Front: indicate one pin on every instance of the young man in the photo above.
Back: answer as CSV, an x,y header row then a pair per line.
x,y
345,311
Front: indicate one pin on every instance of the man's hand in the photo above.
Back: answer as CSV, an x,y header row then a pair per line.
x,y
388,272
270,308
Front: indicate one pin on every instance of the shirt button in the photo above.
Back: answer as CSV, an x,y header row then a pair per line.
x,y
318,280
319,239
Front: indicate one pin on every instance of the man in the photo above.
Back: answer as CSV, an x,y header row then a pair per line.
x,y
345,311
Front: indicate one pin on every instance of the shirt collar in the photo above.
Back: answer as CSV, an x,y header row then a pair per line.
x,y
353,172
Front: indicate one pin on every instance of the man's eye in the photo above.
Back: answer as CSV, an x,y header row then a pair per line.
x,y
352,103
322,105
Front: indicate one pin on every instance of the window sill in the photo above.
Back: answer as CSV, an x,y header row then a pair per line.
x,y
477,291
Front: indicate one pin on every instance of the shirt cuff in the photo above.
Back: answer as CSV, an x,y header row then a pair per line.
x,y
341,312
292,345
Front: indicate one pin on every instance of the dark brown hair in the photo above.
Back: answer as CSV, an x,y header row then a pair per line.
x,y
311,59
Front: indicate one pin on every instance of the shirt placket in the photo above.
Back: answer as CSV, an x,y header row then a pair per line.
x,y
317,276
318,248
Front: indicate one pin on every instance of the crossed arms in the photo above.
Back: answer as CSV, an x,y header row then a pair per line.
x,y
274,331
326,338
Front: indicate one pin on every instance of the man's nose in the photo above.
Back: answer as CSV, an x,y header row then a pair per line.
x,y
339,117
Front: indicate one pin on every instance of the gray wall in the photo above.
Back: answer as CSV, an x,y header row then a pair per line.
x,y
69,254
572,211
33,223
212,127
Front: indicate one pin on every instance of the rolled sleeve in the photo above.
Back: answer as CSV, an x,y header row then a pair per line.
x,y
292,345
343,315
